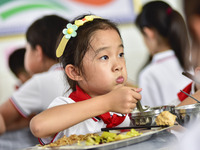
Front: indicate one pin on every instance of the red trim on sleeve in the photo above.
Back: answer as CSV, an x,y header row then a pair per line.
x,y
54,137
43,143
20,112
40,141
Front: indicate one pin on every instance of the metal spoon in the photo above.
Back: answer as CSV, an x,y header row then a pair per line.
x,y
140,108
138,104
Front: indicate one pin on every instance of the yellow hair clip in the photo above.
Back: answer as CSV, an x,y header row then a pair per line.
x,y
70,31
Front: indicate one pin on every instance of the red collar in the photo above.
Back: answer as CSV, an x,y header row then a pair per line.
x,y
111,121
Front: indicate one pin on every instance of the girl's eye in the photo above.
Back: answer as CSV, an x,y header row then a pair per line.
x,y
121,55
104,57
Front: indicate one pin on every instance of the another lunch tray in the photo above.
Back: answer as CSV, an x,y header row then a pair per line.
x,y
112,145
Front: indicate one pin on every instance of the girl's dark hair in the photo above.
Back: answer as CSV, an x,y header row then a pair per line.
x,y
170,25
45,32
77,46
16,61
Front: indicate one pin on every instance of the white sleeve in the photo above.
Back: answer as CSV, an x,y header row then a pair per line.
x,y
60,101
56,102
37,93
27,97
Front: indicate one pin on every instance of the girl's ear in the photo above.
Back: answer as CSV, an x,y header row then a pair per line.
x,y
149,32
39,54
197,71
195,24
197,75
73,73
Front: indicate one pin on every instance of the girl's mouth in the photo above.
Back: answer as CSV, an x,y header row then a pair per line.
x,y
120,80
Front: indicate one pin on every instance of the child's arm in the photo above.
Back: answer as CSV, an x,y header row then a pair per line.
x,y
2,125
49,122
189,100
10,117
196,95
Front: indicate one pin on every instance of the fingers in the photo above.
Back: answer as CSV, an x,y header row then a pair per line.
x,y
136,95
137,89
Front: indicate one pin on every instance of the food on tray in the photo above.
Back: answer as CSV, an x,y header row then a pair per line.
x,y
107,137
69,140
165,118
93,139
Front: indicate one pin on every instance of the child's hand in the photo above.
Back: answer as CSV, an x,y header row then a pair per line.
x,y
123,99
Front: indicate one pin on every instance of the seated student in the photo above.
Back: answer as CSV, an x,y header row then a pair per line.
x,y
92,54
16,65
46,83
190,139
193,21
11,140
166,38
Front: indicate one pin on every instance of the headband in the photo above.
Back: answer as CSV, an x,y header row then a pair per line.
x,y
70,31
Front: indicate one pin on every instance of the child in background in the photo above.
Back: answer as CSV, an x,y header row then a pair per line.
x,y
16,65
191,9
166,38
45,85
190,139
94,63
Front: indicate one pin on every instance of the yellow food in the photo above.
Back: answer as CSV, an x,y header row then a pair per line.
x,y
93,139
165,118
69,140
107,137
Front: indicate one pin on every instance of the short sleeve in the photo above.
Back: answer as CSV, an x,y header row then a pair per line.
x,y
37,93
27,97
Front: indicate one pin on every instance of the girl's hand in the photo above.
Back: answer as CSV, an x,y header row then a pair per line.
x,y
123,99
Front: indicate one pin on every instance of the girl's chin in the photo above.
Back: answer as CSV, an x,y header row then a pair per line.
x,y
118,85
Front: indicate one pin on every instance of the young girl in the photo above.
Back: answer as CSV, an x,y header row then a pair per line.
x,y
37,93
94,63
165,36
191,9
190,139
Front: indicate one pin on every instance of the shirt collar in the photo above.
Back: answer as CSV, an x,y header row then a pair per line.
x,y
57,66
162,55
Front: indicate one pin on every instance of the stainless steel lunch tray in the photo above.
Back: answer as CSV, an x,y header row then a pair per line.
x,y
112,145
187,114
147,118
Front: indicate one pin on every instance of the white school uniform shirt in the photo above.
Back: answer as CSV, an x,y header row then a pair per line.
x,y
38,92
84,127
161,80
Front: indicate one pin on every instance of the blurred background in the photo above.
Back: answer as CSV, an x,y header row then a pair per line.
x,y
17,15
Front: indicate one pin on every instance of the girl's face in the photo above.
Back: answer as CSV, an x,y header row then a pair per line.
x,y
104,63
32,60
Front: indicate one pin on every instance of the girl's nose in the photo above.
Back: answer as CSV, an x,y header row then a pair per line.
x,y
117,66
